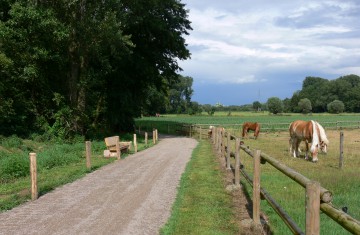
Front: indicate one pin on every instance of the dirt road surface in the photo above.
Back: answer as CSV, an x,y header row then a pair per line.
x,y
129,196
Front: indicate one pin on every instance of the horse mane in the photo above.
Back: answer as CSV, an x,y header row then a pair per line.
x,y
315,137
323,136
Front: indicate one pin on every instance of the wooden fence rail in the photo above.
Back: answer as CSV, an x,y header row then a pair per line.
x,y
221,140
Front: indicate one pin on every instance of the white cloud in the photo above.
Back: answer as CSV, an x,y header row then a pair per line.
x,y
239,42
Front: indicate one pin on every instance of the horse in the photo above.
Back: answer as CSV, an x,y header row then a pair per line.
x,y
310,132
254,126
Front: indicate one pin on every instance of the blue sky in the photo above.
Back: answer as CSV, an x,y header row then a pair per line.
x,y
246,51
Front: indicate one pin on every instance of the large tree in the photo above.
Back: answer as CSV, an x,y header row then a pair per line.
x,y
96,61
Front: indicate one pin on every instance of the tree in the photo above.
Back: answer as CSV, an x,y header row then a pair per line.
x,y
275,105
305,105
108,60
336,107
209,109
256,106
180,95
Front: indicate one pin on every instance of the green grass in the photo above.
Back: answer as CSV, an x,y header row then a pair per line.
x,y
202,206
343,183
57,164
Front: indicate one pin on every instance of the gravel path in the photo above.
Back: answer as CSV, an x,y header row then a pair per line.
x,y
130,196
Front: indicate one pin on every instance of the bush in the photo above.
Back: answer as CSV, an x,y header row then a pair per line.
x,y
14,166
336,107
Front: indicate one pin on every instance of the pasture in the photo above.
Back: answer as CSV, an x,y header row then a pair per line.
x,y
343,183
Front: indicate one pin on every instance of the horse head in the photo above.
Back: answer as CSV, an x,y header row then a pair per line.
x,y
323,146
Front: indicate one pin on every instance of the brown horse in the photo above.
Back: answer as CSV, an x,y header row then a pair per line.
x,y
310,132
253,126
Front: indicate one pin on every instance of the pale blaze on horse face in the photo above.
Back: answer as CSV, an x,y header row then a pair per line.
x,y
314,153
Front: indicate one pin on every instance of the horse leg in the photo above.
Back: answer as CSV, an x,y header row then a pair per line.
x,y
306,150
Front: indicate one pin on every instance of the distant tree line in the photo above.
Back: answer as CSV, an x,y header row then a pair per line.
x,y
316,96
89,67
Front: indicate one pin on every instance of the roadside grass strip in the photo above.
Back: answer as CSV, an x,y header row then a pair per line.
x,y
202,205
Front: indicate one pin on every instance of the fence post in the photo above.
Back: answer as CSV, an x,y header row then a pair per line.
x,y
312,208
33,174
88,154
118,151
341,158
135,144
146,138
157,136
256,187
228,152
237,162
200,131
154,137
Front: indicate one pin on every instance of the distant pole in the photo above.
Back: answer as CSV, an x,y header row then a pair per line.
x,y
33,174
88,154
341,158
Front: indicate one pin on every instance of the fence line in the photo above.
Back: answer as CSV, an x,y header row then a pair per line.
x,y
324,198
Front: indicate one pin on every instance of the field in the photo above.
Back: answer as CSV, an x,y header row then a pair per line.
x,y
343,183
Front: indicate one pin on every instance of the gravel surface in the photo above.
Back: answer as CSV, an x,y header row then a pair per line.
x,y
129,196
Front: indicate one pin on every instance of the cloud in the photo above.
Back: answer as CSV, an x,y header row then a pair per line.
x,y
267,42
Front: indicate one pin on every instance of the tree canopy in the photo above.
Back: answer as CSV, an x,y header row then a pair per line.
x,y
84,67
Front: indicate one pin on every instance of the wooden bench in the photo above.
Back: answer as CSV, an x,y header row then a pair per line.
x,y
111,142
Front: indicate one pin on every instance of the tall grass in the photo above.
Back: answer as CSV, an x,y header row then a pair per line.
x,y
202,206
57,164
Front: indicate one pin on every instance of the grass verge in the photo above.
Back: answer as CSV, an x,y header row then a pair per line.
x,y
202,205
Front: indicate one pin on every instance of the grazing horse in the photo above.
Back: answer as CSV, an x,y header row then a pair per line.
x,y
310,132
254,126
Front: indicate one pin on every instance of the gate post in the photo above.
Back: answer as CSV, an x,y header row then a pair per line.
x,y
312,208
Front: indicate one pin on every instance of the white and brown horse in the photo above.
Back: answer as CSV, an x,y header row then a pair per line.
x,y
310,132
254,126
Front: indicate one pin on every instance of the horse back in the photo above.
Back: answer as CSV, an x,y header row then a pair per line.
x,y
301,130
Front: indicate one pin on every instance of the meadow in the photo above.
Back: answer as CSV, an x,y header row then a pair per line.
x,y
343,183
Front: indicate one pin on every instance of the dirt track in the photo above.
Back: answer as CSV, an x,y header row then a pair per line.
x,y
130,196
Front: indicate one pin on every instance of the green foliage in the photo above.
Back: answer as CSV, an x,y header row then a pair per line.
x,y
107,61
209,109
14,166
336,107
275,105
256,106
305,105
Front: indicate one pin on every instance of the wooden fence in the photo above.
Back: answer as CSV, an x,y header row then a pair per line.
x,y
317,197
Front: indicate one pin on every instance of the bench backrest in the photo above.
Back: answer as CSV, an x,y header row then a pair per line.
x,y
110,142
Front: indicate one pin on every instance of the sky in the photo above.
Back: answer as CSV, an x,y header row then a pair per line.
x,y
246,51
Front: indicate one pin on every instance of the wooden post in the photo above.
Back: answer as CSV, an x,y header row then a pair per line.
x,y
135,144
190,131
237,162
228,144
146,138
88,154
118,151
157,135
256,187
200,133
341,158
154,137
312,208
33,174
